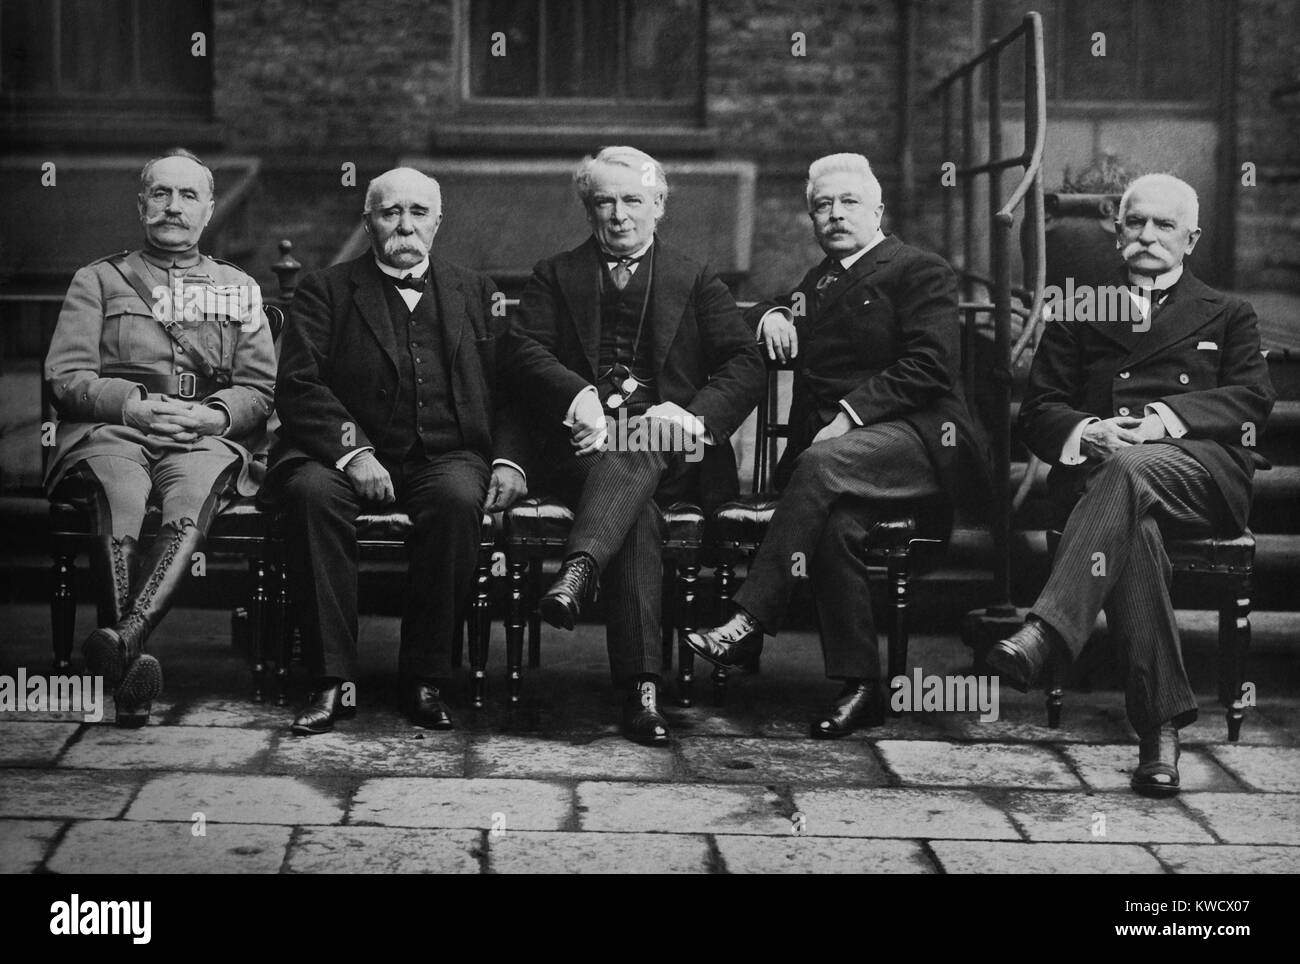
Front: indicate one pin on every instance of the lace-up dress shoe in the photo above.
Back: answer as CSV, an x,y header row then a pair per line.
x,y
575,585
858,705
735,644
1157,771
325,706
1020,658
424,707
642,721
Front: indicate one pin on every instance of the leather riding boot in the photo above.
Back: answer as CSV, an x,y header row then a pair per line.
x,y
161,574
112,568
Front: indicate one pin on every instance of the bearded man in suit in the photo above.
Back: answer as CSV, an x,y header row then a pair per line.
x,y
633,328
1148,420
389,395
877,424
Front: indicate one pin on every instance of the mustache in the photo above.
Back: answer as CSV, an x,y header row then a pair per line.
x,y
1136,247
161,218
395,244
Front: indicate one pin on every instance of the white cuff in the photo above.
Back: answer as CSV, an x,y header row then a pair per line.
x,y
342,463
785,313
513,465
573,405
1070,454
1174,425
848,410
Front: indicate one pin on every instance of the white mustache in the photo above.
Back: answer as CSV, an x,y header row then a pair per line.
x,y
153,219
1134,247
395,244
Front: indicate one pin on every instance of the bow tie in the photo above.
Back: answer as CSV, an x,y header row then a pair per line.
x,y
410,281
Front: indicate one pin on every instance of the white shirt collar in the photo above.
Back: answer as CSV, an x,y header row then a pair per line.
x,y
848,262
1164,281
635,254
416,271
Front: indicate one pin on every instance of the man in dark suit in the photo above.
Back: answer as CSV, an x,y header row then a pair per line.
x,y
1147,416
630,328
388,394
877,423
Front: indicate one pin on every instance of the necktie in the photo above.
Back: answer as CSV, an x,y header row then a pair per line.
x,y
410,281
834,272
622,272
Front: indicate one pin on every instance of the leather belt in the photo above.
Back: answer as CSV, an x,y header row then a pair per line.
x,y
187,385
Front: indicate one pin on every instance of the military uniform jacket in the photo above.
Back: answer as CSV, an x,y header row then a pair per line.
x,y
1200,356
109,346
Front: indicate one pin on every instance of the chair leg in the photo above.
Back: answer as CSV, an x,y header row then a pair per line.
x,y
516,574
258,642
725,582
480,629
534,617
899,570
688,576
1055,702
1234,644
63,611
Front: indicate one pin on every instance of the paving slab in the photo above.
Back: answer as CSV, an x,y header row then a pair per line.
x,y
821,855
1109,766
934,763
1229,859
167,748
1004,857
23,844
773,761
528,852
237,798
232,711
680,808
1253,818
1124,818
1273,769
412,753
33,744
133,847
64,713
913,813
481,804
612,758
1211,726
384,850
69,795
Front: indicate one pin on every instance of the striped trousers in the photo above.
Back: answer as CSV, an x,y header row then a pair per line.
x,y
1112,558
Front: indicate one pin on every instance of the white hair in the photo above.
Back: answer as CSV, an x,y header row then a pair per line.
x,y
374,188
1191,205
621,156
854,164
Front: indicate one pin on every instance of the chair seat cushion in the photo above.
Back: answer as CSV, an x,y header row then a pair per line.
x,y
742,523
541,522
1226,555
242,519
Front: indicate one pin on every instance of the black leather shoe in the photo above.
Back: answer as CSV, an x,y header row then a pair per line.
x,y
736,644
858,705
424,707
1157,771
1020,658
575,585
140,686
642,721
325,706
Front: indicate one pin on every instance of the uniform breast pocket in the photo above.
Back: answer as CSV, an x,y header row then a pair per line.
x,y
129,333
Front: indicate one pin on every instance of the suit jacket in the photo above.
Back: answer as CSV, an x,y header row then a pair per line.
x,y
703,356
1201,357
107,338
886,342
338,374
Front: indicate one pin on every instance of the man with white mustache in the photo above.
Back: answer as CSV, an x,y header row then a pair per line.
x,y
1150,431
390,394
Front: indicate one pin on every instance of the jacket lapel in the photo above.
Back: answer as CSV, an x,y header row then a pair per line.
x,y
669,291
1189,306
368,296
863,268
577,274
454,321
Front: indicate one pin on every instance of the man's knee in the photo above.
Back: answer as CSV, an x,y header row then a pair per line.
x,y
311,486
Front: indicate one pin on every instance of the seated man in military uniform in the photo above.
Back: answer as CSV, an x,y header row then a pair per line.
x,y
162,370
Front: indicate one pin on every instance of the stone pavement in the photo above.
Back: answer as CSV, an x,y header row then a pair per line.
x,y
217,784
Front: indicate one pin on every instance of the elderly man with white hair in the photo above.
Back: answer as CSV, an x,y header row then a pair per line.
x,y
390,393
877,426
1149,421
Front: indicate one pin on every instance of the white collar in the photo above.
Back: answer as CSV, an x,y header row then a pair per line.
x,y
416,271
1164,281
640,252
849,261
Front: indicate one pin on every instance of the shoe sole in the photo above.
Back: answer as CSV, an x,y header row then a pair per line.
x,y
105,656
298,729
699,650
556,613
1158,793
139,687
1004,664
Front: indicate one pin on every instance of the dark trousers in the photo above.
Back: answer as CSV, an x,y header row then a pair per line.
x,y
618,522
1112,557
444,497
838,489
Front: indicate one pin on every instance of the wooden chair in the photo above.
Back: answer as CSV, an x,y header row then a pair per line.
x,y
1221,569
736,530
